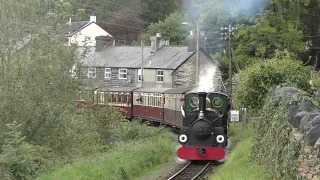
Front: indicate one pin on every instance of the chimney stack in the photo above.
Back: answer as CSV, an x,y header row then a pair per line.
x,y
93,18
158,41
192,41
103,42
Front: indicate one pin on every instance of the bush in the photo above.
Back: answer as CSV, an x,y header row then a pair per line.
x,y
256,80
272,145
17,158
136,130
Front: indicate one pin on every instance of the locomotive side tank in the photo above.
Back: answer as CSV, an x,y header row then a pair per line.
x,y
204,132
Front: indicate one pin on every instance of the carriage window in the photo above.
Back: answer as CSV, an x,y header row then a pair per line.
x,y
117,98
106,98
101,98
151,100
128,100
157,103
114,98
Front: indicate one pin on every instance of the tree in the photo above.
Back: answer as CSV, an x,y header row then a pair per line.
x,y
126,26
171,27
155,10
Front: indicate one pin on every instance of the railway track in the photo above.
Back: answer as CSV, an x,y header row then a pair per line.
x,y
192,170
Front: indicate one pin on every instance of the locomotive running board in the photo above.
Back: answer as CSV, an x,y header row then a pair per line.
x,y
211,153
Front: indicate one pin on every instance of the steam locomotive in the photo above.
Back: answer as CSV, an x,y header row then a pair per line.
x,y
204,132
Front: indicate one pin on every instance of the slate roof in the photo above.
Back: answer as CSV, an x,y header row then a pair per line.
x,y
118,56
167,57
71,29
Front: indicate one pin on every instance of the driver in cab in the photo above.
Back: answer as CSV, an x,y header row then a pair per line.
x,y
183,107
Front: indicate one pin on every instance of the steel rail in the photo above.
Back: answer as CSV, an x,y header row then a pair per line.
x,y
185,170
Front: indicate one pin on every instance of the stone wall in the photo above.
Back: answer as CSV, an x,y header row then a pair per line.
x,y
305,119
184,76
114,81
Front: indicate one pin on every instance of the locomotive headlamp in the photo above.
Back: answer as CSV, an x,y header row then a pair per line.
x,y
201,115
220,139
183,138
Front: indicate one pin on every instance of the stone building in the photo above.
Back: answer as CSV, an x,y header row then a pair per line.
x,y
164,65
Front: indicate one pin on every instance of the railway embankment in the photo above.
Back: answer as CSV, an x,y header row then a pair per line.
x,y
138,150
285,132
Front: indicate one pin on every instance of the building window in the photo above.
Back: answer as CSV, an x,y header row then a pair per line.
x,y
139,75
122,73
92,72
107,73
160,76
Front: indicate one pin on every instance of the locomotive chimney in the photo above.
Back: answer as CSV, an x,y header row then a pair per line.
x,y
202,104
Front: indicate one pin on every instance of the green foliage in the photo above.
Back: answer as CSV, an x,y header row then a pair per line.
x,y
155,11
16,158
126,160
104,120
133,131
256,80
272,146
170,27
238,165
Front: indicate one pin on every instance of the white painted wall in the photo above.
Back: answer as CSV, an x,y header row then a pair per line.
x,y
86,37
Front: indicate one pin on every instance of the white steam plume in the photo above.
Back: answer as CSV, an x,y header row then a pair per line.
x,y
208,80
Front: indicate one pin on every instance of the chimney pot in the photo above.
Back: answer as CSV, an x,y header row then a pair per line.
x,y
191,33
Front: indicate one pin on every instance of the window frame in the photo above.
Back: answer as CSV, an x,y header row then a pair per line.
x,y
105,73
123,73
95,72
157,75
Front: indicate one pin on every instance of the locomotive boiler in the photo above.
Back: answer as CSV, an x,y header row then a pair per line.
x,y
204,132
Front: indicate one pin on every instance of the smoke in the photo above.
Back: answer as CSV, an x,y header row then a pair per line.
x,y
247,7
209,80
196,8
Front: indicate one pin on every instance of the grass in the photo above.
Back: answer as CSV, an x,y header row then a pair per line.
x,y
125,161
238,165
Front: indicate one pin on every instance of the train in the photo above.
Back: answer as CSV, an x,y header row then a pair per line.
x,y
203,122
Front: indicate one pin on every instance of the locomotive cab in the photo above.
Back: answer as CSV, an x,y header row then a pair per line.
x,y
204,132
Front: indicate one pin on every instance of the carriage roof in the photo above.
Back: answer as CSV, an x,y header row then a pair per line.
x,y
177,91
122,89
152,90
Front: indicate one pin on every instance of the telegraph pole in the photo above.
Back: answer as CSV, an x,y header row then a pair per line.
x,y
197,63
141,63
227,34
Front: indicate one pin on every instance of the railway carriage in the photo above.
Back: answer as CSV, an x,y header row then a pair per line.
x,y
172,106
149,103
120,98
